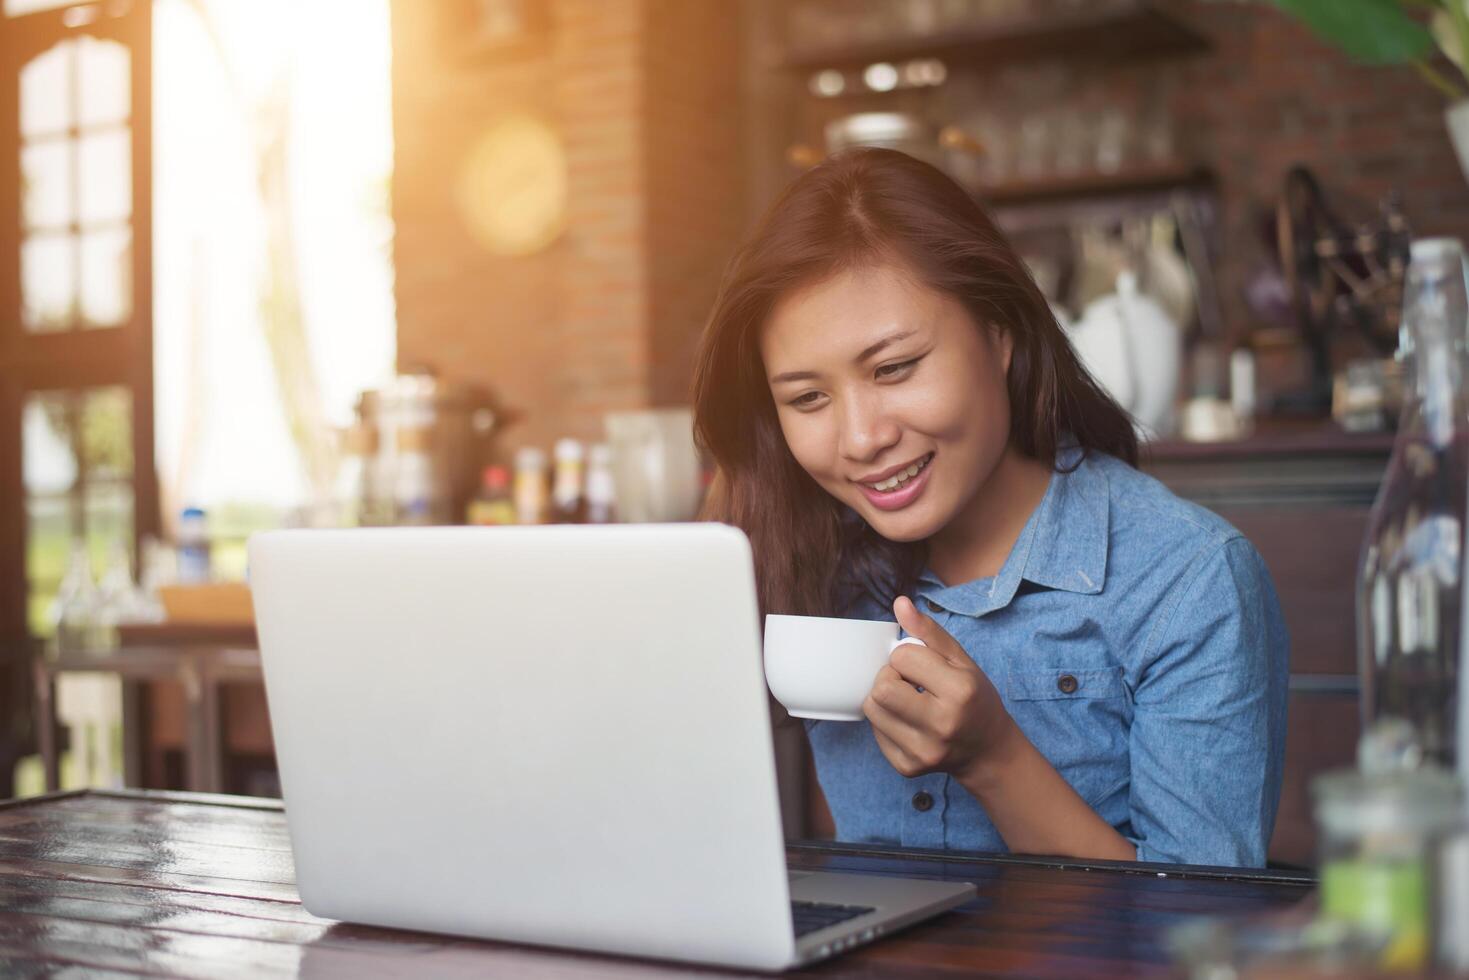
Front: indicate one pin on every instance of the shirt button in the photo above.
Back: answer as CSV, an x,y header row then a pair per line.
x,y
922,802
933,606
1066,684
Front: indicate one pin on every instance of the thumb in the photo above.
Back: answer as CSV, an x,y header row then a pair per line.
x,y
916,623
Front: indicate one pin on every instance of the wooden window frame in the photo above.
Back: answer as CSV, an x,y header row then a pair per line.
x,y
120,356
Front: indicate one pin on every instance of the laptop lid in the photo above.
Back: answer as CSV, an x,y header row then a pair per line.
x,y
553,735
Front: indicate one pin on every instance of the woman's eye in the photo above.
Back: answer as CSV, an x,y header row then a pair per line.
x,y
807,400
893,370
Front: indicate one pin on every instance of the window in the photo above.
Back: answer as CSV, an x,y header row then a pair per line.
x,y
76,179
272,252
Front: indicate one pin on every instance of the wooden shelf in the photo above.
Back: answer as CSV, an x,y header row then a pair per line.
x,y
1272,440
1130,180
187,634
1121,29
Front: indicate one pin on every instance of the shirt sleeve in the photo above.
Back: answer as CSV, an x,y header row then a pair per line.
x,y
1207,743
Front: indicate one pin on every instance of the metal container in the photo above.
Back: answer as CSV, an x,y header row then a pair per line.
x,y
429,441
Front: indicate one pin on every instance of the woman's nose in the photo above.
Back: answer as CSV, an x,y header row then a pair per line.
x,y
866,429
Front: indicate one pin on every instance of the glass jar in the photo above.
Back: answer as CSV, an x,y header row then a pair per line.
x,y
1377,838
1409,586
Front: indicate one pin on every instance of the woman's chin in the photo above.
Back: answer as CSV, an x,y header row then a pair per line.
x,y
904,526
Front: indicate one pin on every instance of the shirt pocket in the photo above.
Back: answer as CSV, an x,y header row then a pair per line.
x,y
1063,684
1078,719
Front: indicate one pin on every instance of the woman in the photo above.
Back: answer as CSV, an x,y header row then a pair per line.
x,y
904,433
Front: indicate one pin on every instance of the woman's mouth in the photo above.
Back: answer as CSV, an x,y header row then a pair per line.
x,y
900,489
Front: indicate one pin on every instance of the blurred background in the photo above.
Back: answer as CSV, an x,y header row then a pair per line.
x,y
346,262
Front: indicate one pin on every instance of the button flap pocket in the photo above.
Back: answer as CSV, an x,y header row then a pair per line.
x,y
1060,684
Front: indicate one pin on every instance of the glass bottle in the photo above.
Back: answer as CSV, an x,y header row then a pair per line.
x,y
567,503
413,486
118,601
1377,836
530,486
1408,590
351,492
74,611
160,569
492,505
193,547
601,490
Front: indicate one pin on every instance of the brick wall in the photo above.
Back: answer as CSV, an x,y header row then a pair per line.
x,y
695,202
461,311
604,318
1272,95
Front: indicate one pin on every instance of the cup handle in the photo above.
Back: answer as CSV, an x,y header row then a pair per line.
x,y
908,639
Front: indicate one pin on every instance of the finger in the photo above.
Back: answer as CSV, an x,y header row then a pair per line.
x,y
899,739
894,698
928,670
897,756
937,638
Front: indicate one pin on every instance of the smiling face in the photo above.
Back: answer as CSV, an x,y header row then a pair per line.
x,y
889,395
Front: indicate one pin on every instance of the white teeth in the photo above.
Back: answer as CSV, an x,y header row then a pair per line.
x,y
900,478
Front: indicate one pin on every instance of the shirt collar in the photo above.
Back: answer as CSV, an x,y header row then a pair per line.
x,y
1063,545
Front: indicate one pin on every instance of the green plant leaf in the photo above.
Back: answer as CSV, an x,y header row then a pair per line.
x,y
1446,33
1372,31
1459,14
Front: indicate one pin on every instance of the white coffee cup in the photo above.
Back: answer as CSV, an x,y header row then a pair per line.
x,y
823,668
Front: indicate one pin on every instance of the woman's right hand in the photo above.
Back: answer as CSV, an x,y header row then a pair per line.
x,y
932,708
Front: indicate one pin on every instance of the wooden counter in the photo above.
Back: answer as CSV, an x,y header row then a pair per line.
x,y
204,886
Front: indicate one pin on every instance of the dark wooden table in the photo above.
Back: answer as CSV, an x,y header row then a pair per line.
x,y
197,885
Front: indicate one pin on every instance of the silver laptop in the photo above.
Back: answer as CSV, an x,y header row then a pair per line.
x,y
554,735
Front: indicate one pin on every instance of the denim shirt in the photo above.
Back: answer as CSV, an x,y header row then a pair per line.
x,y
1137,641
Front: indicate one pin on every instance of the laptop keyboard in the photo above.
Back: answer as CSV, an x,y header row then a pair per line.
x,y
811,916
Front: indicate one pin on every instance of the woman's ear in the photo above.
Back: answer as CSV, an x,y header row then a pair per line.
x,y
1007,348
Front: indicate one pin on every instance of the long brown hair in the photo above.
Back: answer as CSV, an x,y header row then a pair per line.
x,y
862,207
